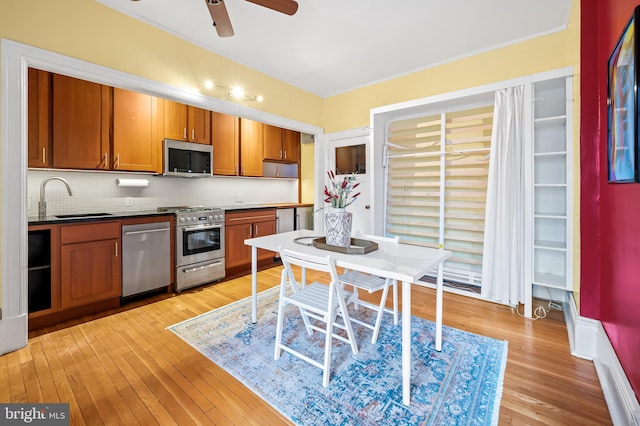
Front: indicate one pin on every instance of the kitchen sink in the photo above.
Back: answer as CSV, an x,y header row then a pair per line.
x,y
77,215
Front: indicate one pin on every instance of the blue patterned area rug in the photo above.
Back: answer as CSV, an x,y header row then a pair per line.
x,y
461,385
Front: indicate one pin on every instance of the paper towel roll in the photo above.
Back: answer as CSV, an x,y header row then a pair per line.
x,y
133,183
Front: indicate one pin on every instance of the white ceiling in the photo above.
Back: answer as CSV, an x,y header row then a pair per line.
x,y
332,46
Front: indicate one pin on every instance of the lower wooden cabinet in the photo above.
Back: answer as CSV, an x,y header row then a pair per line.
x,y
73,270
90,266
239,226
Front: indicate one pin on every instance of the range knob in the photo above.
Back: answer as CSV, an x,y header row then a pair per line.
x,y
188,219
195,219
182,219
211,218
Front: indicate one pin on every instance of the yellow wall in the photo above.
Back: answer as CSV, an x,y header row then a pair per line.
x,y
87,30
306,172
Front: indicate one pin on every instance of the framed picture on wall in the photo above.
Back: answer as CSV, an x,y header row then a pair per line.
x,y
622,106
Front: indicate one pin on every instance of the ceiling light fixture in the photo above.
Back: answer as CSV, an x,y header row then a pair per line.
x,y
232,93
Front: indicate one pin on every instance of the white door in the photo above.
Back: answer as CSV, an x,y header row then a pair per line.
x,y
353,154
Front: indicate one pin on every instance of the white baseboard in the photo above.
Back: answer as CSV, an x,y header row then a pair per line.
x,y
13,334
588,340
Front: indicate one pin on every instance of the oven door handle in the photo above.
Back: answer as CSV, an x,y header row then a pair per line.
x,y
198,268
201,228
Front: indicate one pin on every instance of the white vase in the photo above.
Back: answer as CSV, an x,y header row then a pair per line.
x,y
337,225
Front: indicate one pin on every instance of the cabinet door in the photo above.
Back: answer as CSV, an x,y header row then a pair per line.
x,y
89,272
175,120
81,123
260,229
39,118
199,125
237,253
225,141
290,145
251,153
135,146
272,142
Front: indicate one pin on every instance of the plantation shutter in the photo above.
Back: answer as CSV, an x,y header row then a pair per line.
x,y
437,169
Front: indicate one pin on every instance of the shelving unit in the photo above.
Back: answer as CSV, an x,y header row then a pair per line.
x,y
552,248
39,271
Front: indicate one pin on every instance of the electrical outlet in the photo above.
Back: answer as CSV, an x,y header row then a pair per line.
x,y
239,197
129,201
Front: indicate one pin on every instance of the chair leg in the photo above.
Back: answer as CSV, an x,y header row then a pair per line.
x,y
326,372
383,299
347,324
278,351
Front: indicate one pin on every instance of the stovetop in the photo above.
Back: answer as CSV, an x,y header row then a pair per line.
x,y
185,209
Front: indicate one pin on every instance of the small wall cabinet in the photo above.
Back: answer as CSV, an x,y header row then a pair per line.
x,y
552,196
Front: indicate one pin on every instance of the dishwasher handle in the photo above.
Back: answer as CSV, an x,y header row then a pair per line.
x,y
146,231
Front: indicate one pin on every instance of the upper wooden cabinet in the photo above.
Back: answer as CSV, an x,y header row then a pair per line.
x,y
136,140
81,124
251,147
185,122
39,119
281,144
291,145
225,138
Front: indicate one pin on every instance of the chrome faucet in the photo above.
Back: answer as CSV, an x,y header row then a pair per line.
x,y
42,204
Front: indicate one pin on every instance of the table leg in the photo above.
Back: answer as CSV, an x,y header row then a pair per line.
x,y
406,342
254,284
439,288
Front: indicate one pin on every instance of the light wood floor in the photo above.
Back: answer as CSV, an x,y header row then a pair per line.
x,y
126,368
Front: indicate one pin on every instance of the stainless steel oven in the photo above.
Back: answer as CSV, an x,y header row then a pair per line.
x,y
199,246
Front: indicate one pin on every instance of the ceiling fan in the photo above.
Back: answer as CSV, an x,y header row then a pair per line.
x,y
221,20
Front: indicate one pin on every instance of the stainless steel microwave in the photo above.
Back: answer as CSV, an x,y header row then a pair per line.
x,y
187,159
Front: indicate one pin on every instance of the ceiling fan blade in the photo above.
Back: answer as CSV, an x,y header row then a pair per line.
x,y
288,7
220,17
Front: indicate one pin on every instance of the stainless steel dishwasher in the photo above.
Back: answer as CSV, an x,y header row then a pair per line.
x,y
146,257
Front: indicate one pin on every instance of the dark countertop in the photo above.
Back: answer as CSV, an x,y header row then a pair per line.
x,y
50,220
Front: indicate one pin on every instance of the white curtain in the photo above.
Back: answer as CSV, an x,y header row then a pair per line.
x,y
503,263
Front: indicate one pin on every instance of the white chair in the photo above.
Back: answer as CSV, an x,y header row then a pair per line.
x,y
371,283
316,301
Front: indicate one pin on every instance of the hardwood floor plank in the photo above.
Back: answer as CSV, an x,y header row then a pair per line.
x,y
127,368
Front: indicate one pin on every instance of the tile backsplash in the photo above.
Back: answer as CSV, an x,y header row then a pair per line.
x,y
97,192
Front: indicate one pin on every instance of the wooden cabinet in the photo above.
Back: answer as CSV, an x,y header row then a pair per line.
x,y
239,226
225,138
39,119
281,144
81,124
136,142
291,145
185,122
251,147
90,266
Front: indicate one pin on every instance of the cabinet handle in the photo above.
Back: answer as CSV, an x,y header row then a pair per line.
x,y
116,163
250,231
281,154
105,161
256,229
193,134
116,245
44,155
285,154
184,134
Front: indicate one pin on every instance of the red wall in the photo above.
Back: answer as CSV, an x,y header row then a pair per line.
x,y
610,213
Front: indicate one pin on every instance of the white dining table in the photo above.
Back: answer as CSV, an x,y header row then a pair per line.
x,y
403,262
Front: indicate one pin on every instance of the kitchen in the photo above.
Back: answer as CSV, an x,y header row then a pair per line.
x,y
160,194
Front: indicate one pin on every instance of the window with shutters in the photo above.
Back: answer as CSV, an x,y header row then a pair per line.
x,y
437,169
